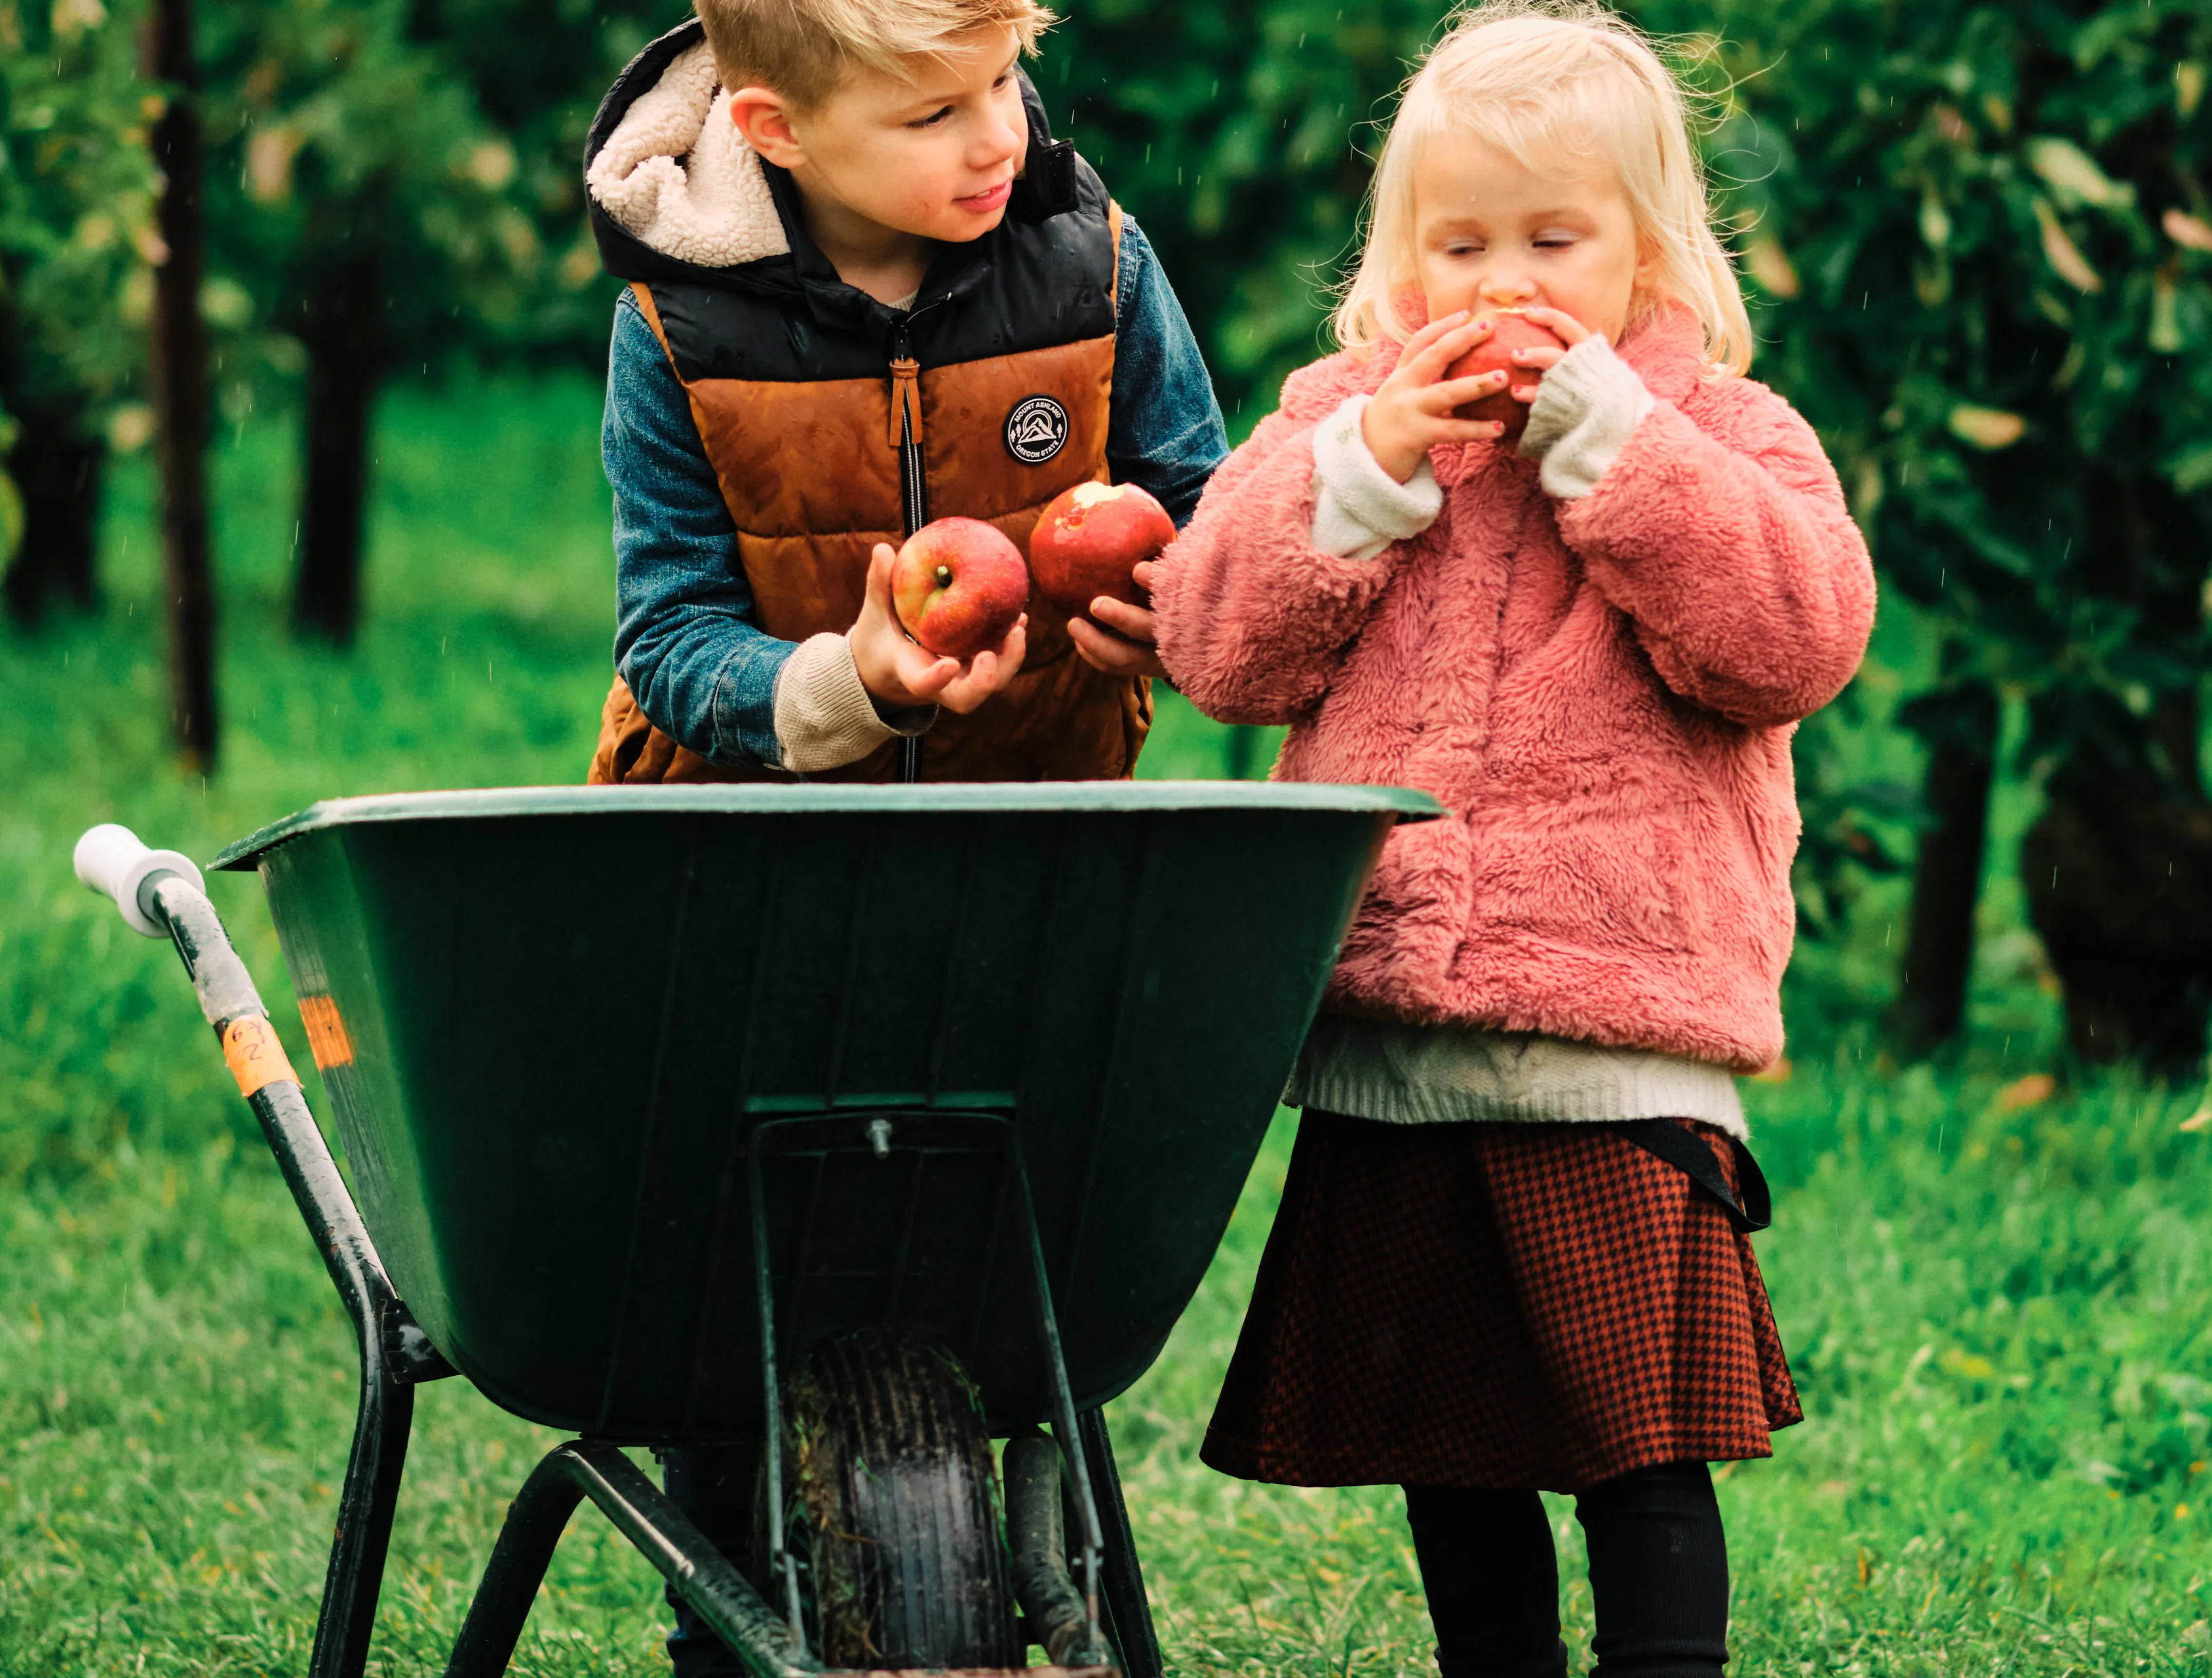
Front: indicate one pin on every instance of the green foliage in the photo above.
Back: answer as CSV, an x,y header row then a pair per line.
x,y
351,171
77,202
1979,233
1240,137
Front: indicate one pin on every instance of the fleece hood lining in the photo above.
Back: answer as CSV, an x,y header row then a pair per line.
x,y
677,177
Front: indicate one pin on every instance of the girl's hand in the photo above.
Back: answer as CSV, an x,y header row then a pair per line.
x,y
900,673
1569,330
1412,411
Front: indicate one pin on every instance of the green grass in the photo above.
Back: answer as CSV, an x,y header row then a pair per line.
x,y
1998,1311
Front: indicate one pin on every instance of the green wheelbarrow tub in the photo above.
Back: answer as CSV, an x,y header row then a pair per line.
x,y
548,1020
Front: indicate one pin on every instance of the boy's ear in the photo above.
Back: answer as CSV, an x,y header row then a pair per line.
x,y
763,116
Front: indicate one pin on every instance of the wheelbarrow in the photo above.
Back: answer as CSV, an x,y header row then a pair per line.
x,y
851,1126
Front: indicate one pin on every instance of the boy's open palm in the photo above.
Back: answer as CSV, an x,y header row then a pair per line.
x,y
1412,412
899,672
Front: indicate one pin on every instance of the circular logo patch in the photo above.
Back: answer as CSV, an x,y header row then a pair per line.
x,y
1037,430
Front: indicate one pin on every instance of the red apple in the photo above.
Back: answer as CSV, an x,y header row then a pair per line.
x,y
958,586
1089,539
1513,331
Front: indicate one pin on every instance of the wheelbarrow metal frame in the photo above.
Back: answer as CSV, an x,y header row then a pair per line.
x,y
931,1130
396,1357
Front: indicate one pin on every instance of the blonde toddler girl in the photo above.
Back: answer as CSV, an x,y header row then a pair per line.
x,y
1512,1250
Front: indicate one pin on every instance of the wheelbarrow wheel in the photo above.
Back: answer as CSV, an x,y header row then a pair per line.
x,y
896,1510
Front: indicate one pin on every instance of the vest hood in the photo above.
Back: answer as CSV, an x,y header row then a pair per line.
x,y
677,194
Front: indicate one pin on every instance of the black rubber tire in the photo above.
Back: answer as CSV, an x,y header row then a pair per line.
x,y
896,1507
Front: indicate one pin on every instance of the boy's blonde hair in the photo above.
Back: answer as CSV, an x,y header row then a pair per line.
x,y
803,48
1547,81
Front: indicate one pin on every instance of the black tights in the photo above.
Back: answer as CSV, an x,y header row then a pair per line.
x,y
1658,1565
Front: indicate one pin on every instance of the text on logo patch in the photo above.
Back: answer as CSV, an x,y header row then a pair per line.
x,y
1037,430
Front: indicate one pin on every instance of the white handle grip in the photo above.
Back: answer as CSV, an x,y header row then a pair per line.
x,y
112,861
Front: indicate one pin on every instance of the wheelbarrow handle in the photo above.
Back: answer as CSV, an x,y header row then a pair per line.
x,y
112,861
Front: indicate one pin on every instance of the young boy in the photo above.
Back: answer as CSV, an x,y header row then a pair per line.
x,y
867,289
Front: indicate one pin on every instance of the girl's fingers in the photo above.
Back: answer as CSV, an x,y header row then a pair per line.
x,y
1570,331
1450,393
1429,366
1430,333
1468,431
1539,360
1526,393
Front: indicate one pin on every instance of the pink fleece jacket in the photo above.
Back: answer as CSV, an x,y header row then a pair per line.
x,y
1602,691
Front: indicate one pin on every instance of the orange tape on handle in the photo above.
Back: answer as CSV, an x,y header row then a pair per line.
x,y
255,1056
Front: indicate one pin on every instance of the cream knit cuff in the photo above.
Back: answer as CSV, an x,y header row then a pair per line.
x,y
1359,509
825,718
1587,408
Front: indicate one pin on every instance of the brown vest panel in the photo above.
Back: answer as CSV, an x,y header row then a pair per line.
x,y
810,474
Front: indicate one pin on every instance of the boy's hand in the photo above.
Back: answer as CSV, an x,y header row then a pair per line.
x,y
900,673
1130,650
1569,330
1412,411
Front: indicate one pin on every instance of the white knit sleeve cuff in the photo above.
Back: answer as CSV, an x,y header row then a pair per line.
x,y
1587,408
1359,509
824,717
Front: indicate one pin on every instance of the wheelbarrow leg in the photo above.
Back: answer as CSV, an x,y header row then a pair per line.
x,y
394,1352
582,1469
366,1506
1128,1615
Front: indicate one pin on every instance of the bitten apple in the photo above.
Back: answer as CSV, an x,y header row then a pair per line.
x,y
1090,539
958,586
1513,331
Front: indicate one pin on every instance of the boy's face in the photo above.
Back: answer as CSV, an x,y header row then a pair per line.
x,y
931,155
1493,233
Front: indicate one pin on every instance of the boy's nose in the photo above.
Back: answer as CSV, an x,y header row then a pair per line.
x,y
998,139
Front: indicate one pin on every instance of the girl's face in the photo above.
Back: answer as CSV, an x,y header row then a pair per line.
x,y
1493,233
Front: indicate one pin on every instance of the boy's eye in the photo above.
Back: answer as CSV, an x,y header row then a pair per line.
x,y
932,120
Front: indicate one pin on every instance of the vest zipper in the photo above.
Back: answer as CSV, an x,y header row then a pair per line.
x,y
914,489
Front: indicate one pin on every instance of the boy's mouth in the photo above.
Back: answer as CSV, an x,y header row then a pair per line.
x,y
982,204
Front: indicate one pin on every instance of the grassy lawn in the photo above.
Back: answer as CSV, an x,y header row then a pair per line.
x,y
1996,1299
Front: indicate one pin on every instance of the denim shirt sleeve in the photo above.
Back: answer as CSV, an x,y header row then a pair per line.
x,y
685,640
1165,433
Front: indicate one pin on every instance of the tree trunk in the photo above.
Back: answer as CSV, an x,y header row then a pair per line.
x,y
1947,876
2118,869
57,468
180,385
2119,888
344,361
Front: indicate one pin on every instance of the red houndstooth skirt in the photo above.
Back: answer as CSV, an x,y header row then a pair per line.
x,y
1497,1306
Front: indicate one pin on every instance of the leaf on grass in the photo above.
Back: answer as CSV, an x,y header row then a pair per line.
x,y
1986,427
2190,232
2200,1120
2031,1090
2062,253
1777,1073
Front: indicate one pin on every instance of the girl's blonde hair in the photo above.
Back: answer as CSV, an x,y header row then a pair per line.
x,y
1546,81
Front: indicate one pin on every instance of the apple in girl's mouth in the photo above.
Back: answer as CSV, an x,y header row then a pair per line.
x,y
958,586
1511,330
1090,539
